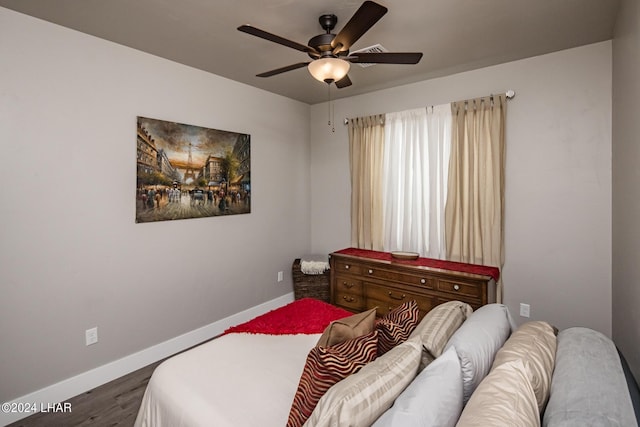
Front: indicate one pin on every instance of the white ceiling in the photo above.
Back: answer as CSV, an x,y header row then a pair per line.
x,y
454,35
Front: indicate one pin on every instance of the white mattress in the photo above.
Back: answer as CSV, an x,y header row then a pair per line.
x,y
236,380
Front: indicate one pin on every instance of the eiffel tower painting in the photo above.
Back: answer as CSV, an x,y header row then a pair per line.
x,y
186,171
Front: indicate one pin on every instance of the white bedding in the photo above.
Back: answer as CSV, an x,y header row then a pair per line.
x,y
236,380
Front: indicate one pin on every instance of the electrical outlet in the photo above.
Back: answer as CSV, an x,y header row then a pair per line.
x,y
91,336
280,276
525,310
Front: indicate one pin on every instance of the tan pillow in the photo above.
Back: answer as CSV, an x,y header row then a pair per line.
x,y
535,344
359,399
504,398
348,328
437,326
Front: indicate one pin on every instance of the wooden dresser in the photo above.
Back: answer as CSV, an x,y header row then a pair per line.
x,y
361,280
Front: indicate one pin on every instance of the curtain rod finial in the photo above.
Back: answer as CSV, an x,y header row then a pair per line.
x,y
510,94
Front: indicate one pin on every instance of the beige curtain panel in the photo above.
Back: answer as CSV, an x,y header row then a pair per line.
x,y
366,150
474,209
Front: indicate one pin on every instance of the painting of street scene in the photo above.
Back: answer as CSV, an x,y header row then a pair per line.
x,y
187,171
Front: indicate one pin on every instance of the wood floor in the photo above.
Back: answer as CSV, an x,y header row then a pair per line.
x,y
113,404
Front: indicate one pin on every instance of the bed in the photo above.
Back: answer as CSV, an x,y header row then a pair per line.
x,y
246,377
458,367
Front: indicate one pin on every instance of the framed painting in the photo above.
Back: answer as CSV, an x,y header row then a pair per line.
x,y
186,171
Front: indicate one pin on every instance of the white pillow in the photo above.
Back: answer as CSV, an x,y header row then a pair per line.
x,y
359,399
434,398
477,341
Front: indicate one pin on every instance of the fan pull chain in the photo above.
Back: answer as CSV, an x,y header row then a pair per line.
x,y
332,110
329,103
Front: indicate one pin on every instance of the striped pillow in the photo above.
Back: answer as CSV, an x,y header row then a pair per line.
x,y
324,367
438,326
358,400
396,326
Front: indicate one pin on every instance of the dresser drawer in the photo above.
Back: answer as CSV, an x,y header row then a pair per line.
x,y
460,288
422,281
386,299
353,302
342,266
347,284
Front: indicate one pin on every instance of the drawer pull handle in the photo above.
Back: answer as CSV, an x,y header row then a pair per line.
x,y
397,297
346,267
423,281
348,299
370,271
347,285
456,287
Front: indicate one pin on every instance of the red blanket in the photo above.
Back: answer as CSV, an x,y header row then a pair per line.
x,y
304,316
426,262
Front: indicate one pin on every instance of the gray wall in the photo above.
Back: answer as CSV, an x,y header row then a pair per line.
x,y
71,255
558,177
626,183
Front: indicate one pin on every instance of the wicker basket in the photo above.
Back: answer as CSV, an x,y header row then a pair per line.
x,y
309,285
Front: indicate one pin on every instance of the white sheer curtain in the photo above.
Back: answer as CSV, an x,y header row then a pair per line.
x,y
415,171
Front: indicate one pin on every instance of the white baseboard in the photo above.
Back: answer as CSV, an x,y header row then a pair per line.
x,y
89,380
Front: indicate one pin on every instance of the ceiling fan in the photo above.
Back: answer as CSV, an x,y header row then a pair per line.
x,y
330,52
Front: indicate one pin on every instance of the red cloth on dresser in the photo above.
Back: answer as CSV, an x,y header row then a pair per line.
x,y
426,262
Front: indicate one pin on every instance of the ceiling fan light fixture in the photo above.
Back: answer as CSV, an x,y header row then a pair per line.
x,y
329,69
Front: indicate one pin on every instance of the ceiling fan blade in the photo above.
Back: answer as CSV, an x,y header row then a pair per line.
x,y
364,18
343,82
385,58
277,39
283,69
